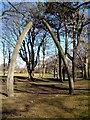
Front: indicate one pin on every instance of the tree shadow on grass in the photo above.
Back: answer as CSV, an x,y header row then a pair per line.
x,y
21,77
23,91
39,92
40,80
53,79
50,89
50,86
61,88
2,93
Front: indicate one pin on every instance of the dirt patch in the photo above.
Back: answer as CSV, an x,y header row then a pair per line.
x,y
31,101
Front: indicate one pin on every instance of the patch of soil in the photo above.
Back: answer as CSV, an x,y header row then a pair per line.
x,y
34,101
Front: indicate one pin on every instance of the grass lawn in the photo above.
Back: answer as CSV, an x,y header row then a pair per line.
x,y
46,99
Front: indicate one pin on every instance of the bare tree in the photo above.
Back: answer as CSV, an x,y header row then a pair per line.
x,y
28,51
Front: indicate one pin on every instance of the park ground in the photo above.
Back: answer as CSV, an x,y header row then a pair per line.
x,y
46,98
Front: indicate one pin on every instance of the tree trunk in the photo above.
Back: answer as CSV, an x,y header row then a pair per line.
x,y
74,65
60,71
13,60
66,46
71,85
82,70
66,40
74,52
4,66
29,71
31,76
63,73
9,56
54,71
3,58
43,70
86,65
